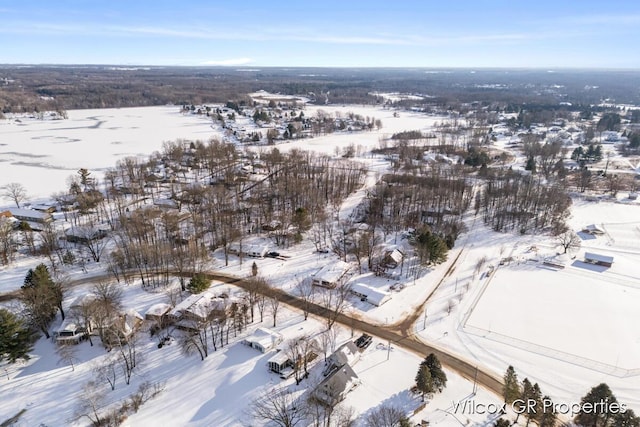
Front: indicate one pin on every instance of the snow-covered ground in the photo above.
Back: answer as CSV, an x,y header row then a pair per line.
x,y
219,390
41,154
568,329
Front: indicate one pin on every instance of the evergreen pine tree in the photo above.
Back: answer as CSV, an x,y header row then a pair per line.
x,y
511,389
547,417
41,297
16,339
438,377
601,415
424,382
627,418
534,411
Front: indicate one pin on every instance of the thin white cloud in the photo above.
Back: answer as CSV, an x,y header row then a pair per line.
x,y
228,62
604,19
271,35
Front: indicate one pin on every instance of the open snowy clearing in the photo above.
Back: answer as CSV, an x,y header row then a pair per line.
x,y
41,154
568,329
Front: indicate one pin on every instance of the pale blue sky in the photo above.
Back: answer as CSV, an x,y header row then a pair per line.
x,y
393,33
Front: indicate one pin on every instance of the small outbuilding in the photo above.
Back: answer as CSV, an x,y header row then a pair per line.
x,y
593,229
597,259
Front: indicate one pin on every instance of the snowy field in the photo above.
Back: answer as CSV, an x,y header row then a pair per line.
x,y
568,329
41,154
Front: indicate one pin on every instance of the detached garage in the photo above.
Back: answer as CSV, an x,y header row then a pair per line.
x,y
597,259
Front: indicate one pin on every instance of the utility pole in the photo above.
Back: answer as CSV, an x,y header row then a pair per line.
x,y
388,349
475,382
424,325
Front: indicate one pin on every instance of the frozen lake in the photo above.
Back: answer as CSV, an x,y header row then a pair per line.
x,y
41,154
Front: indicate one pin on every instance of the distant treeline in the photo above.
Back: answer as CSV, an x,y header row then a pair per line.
x,y
36,88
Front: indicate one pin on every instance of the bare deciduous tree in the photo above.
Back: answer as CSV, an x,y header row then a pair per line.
x,y
279,407
14,191
68,353
569,240
386,416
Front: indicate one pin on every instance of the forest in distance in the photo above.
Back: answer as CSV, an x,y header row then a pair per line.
x,y
58,87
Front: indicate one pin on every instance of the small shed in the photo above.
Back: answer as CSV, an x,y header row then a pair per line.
x,y
70,333
593,229
597,259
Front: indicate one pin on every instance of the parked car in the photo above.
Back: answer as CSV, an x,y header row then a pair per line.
x,y
364,341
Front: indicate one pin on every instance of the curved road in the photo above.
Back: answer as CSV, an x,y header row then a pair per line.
x,y
396,334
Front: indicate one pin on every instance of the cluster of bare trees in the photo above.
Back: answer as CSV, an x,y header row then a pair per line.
x,y
284,408
216,204
522,202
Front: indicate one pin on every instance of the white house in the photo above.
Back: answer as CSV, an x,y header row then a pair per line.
x,y
330,274
263,340
199,308
371,295
250,249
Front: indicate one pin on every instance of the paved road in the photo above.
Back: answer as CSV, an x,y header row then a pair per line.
x,y
396,334
399,338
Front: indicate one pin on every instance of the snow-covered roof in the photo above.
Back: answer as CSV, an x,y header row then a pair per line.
x,y
266,338
82,300
373,295
158,309
200,305
280,358
331,273
590,256
395,255
347,353
30,213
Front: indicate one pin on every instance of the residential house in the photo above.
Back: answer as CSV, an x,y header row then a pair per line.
x,y
158,312
329,276
347,354
249,249
334,388
369,294
263,340
392,258
121,328
30,215
199,308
